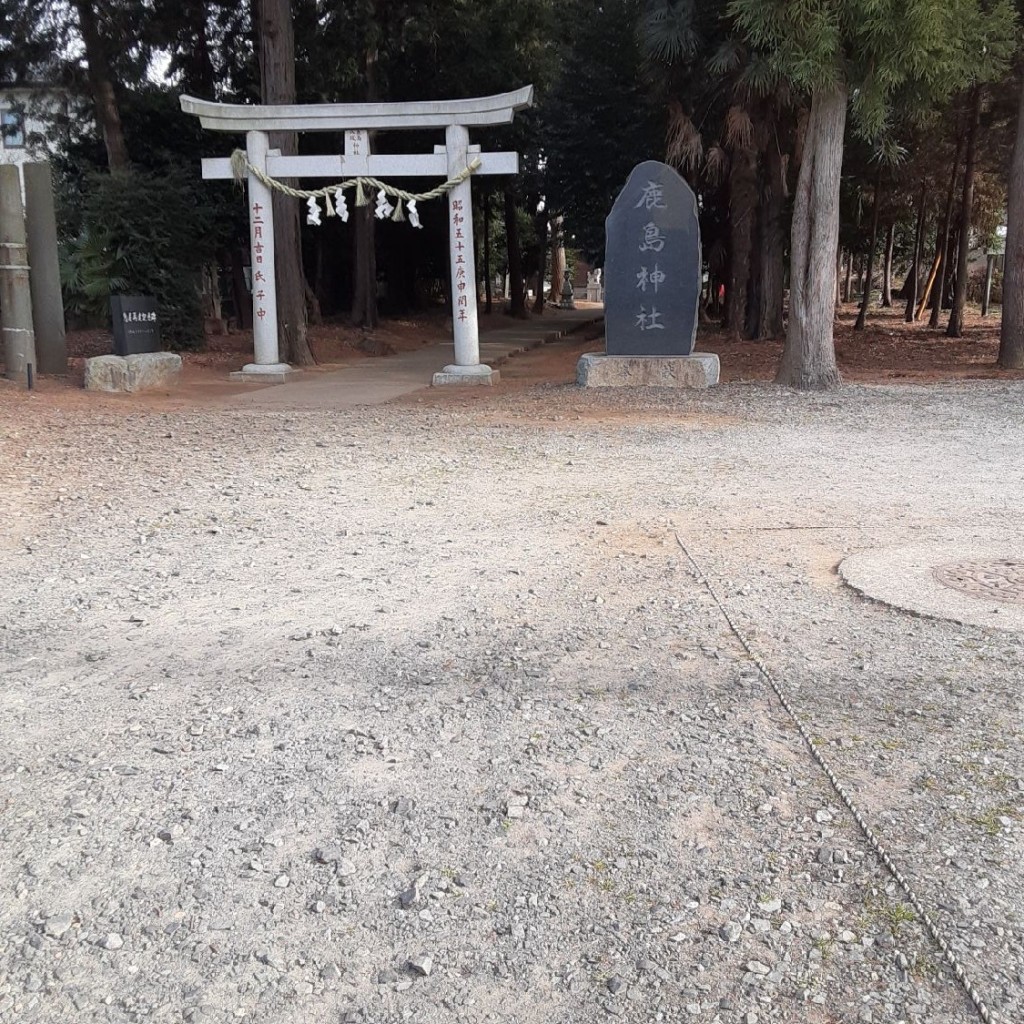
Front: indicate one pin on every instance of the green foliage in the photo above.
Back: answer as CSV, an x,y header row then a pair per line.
x,y
91,269
670,30
599,119
31,33
141,233
876,48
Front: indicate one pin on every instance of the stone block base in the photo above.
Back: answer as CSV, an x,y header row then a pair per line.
x,y
106,373
245,377
466,375
597,370
259,373
142,372
149,370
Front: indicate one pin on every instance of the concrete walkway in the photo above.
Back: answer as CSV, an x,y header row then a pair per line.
x,y
375,381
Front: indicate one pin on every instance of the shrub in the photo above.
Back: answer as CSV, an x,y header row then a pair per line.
x,y
141,233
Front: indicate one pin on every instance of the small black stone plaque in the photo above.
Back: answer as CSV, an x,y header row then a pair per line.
x,y
652,265
136,324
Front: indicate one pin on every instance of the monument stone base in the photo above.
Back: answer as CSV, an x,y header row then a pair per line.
x,y
466,375
597,370
265,373
142,371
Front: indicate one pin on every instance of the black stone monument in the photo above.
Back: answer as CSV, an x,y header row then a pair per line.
x,y
136,324
652,265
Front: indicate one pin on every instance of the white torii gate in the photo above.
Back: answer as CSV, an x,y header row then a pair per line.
x,y
356,120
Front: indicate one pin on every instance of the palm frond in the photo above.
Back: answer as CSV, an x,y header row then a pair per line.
x,y
716,165
684,148
739,129
669,30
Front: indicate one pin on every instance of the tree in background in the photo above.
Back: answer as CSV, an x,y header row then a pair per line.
x,y
988,42
747,99
275,34
141,233
857,53
599,119
1011,337
97,38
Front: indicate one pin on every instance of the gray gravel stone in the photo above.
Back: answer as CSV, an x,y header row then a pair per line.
x,y
440,575
422,965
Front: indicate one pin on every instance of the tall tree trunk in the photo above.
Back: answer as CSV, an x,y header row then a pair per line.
x,y
848,281
809,357
488,275
942,239
542,260
753,321
922,302
956,314
319,272
199,74
101,85
364,293
557,260
986,292
517,291
839,277
890,240
869,278
277,85
859,272
1011,335
914,277
365,313
742,220
951,256
239,292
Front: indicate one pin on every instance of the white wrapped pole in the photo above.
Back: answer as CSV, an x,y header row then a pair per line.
x,y
264,284
465,324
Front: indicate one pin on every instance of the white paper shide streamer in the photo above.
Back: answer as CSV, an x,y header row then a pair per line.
x,y
384,208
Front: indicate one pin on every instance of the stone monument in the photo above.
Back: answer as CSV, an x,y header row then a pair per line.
x,y
136,324
652,279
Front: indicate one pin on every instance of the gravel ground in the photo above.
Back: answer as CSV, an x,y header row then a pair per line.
x,y
416,714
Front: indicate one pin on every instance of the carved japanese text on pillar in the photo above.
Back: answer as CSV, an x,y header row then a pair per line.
x,y
258,277
458,237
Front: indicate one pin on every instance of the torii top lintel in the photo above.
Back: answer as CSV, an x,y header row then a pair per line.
x,y
332,117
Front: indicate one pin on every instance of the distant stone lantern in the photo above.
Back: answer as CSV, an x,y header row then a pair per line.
x,y
568,292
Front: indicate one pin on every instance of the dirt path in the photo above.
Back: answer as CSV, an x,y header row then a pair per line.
x,y
293,701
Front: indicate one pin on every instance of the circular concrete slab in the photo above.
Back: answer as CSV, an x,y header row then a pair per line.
x,y
971,584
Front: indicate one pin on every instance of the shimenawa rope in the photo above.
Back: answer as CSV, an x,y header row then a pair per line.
x,y
241,166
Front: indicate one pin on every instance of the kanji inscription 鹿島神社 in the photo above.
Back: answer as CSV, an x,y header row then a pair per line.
x,y
652,265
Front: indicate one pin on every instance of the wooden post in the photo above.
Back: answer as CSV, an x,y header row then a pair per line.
x,y
986,295
15,290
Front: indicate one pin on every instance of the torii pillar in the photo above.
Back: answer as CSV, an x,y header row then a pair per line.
x,y
356,120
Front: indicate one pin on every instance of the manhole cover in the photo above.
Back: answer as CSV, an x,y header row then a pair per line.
x,y
999,580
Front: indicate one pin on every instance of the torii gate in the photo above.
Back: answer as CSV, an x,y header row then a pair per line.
x,y
357,120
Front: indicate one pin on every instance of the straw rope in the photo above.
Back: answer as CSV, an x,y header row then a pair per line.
x,y
241,166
